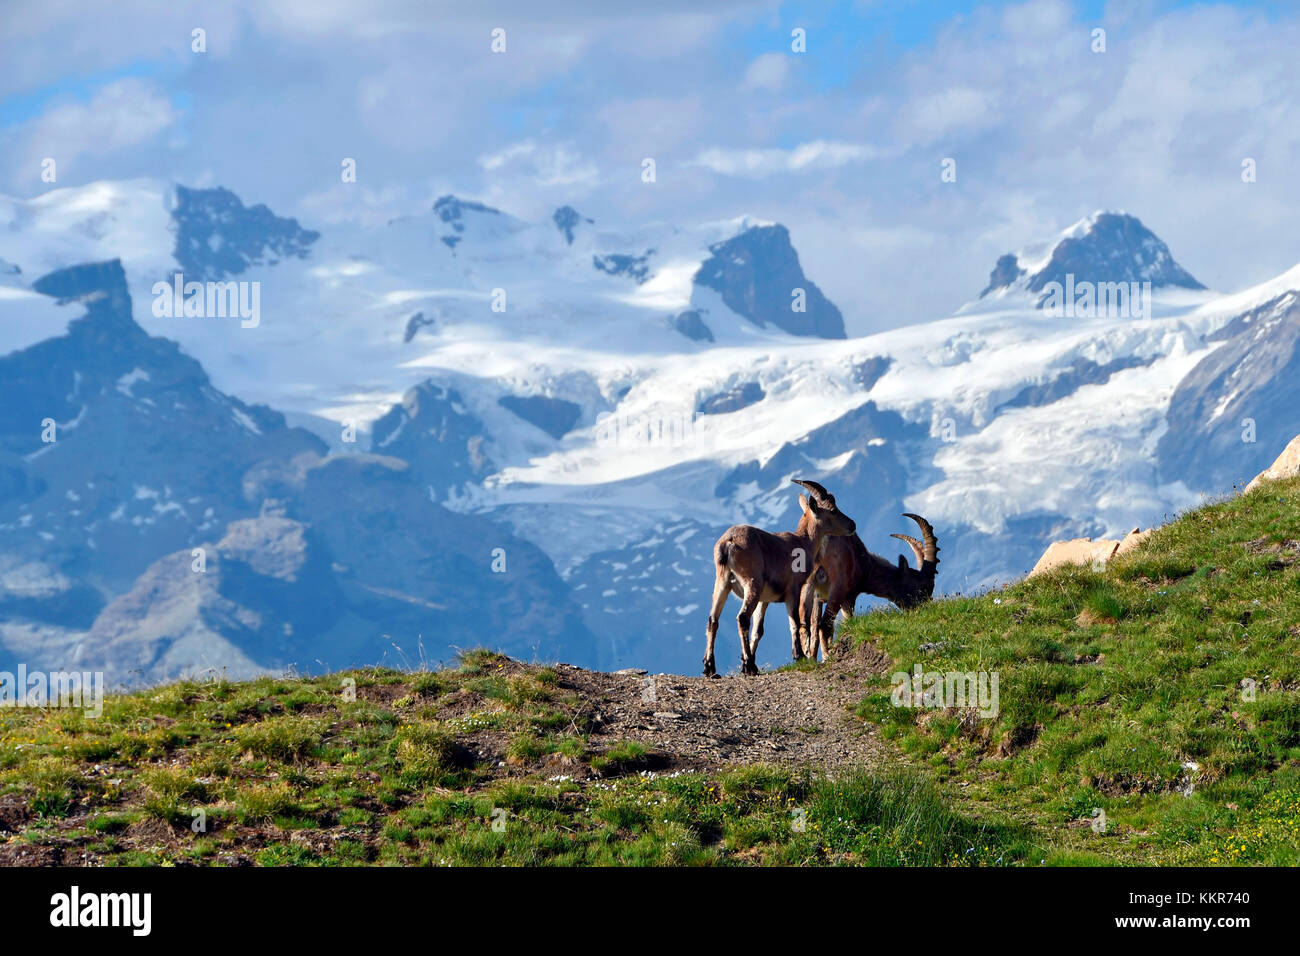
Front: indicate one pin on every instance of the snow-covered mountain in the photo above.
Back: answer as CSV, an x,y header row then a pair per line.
x,y
1105,247
587,406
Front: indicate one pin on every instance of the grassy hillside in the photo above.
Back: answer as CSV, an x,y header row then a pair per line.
x,y
1122,691
1119,692
488,762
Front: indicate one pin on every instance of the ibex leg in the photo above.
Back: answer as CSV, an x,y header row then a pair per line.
x,y
756,631
826,627
806,644
747,665
720,591
797,630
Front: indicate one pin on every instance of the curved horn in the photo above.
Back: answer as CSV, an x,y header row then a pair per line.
x,y
916,547
820,493
931,551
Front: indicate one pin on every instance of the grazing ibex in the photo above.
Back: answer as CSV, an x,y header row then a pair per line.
x,y
846,569
764,568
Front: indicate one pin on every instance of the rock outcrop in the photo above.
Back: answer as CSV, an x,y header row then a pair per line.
x,y
1085,551
1287,465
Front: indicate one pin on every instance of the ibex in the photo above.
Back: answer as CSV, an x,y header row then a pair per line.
x,y
764,568
846,569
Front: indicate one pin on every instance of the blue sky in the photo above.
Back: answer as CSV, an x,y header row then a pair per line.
x,y
841,143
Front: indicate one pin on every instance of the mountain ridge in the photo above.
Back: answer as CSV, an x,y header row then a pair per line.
x,y
155,527
1104,247
588,420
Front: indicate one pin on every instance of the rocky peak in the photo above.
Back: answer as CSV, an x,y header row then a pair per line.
x,y
217,235
757,272
567,219
1106,247
451,209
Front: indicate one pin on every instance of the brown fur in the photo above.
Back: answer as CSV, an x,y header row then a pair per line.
x,y
846,569
763,568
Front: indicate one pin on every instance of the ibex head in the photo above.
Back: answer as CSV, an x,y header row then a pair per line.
x,y
913,587
819,506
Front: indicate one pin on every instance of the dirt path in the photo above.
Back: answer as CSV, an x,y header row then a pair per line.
x,y
796,717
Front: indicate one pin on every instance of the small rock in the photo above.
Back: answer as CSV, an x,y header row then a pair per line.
x,y
1083,551
667,715
632,672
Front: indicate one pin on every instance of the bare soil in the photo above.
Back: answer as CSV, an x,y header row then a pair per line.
x,y
801,717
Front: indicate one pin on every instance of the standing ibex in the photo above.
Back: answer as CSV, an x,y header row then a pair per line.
x,y
764,568
846,569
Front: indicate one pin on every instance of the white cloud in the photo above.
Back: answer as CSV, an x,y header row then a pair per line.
x,y
933,116
125,113
767,73
656,126
807,157
546,166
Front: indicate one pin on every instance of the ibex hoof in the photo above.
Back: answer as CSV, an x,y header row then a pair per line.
x,y
750,669
710,670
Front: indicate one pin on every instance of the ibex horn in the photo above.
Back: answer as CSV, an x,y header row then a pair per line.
x,y
820,493
931,550
916,547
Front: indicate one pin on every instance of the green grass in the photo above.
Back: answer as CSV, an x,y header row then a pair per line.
x,y
760,815
489,762
1111,683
